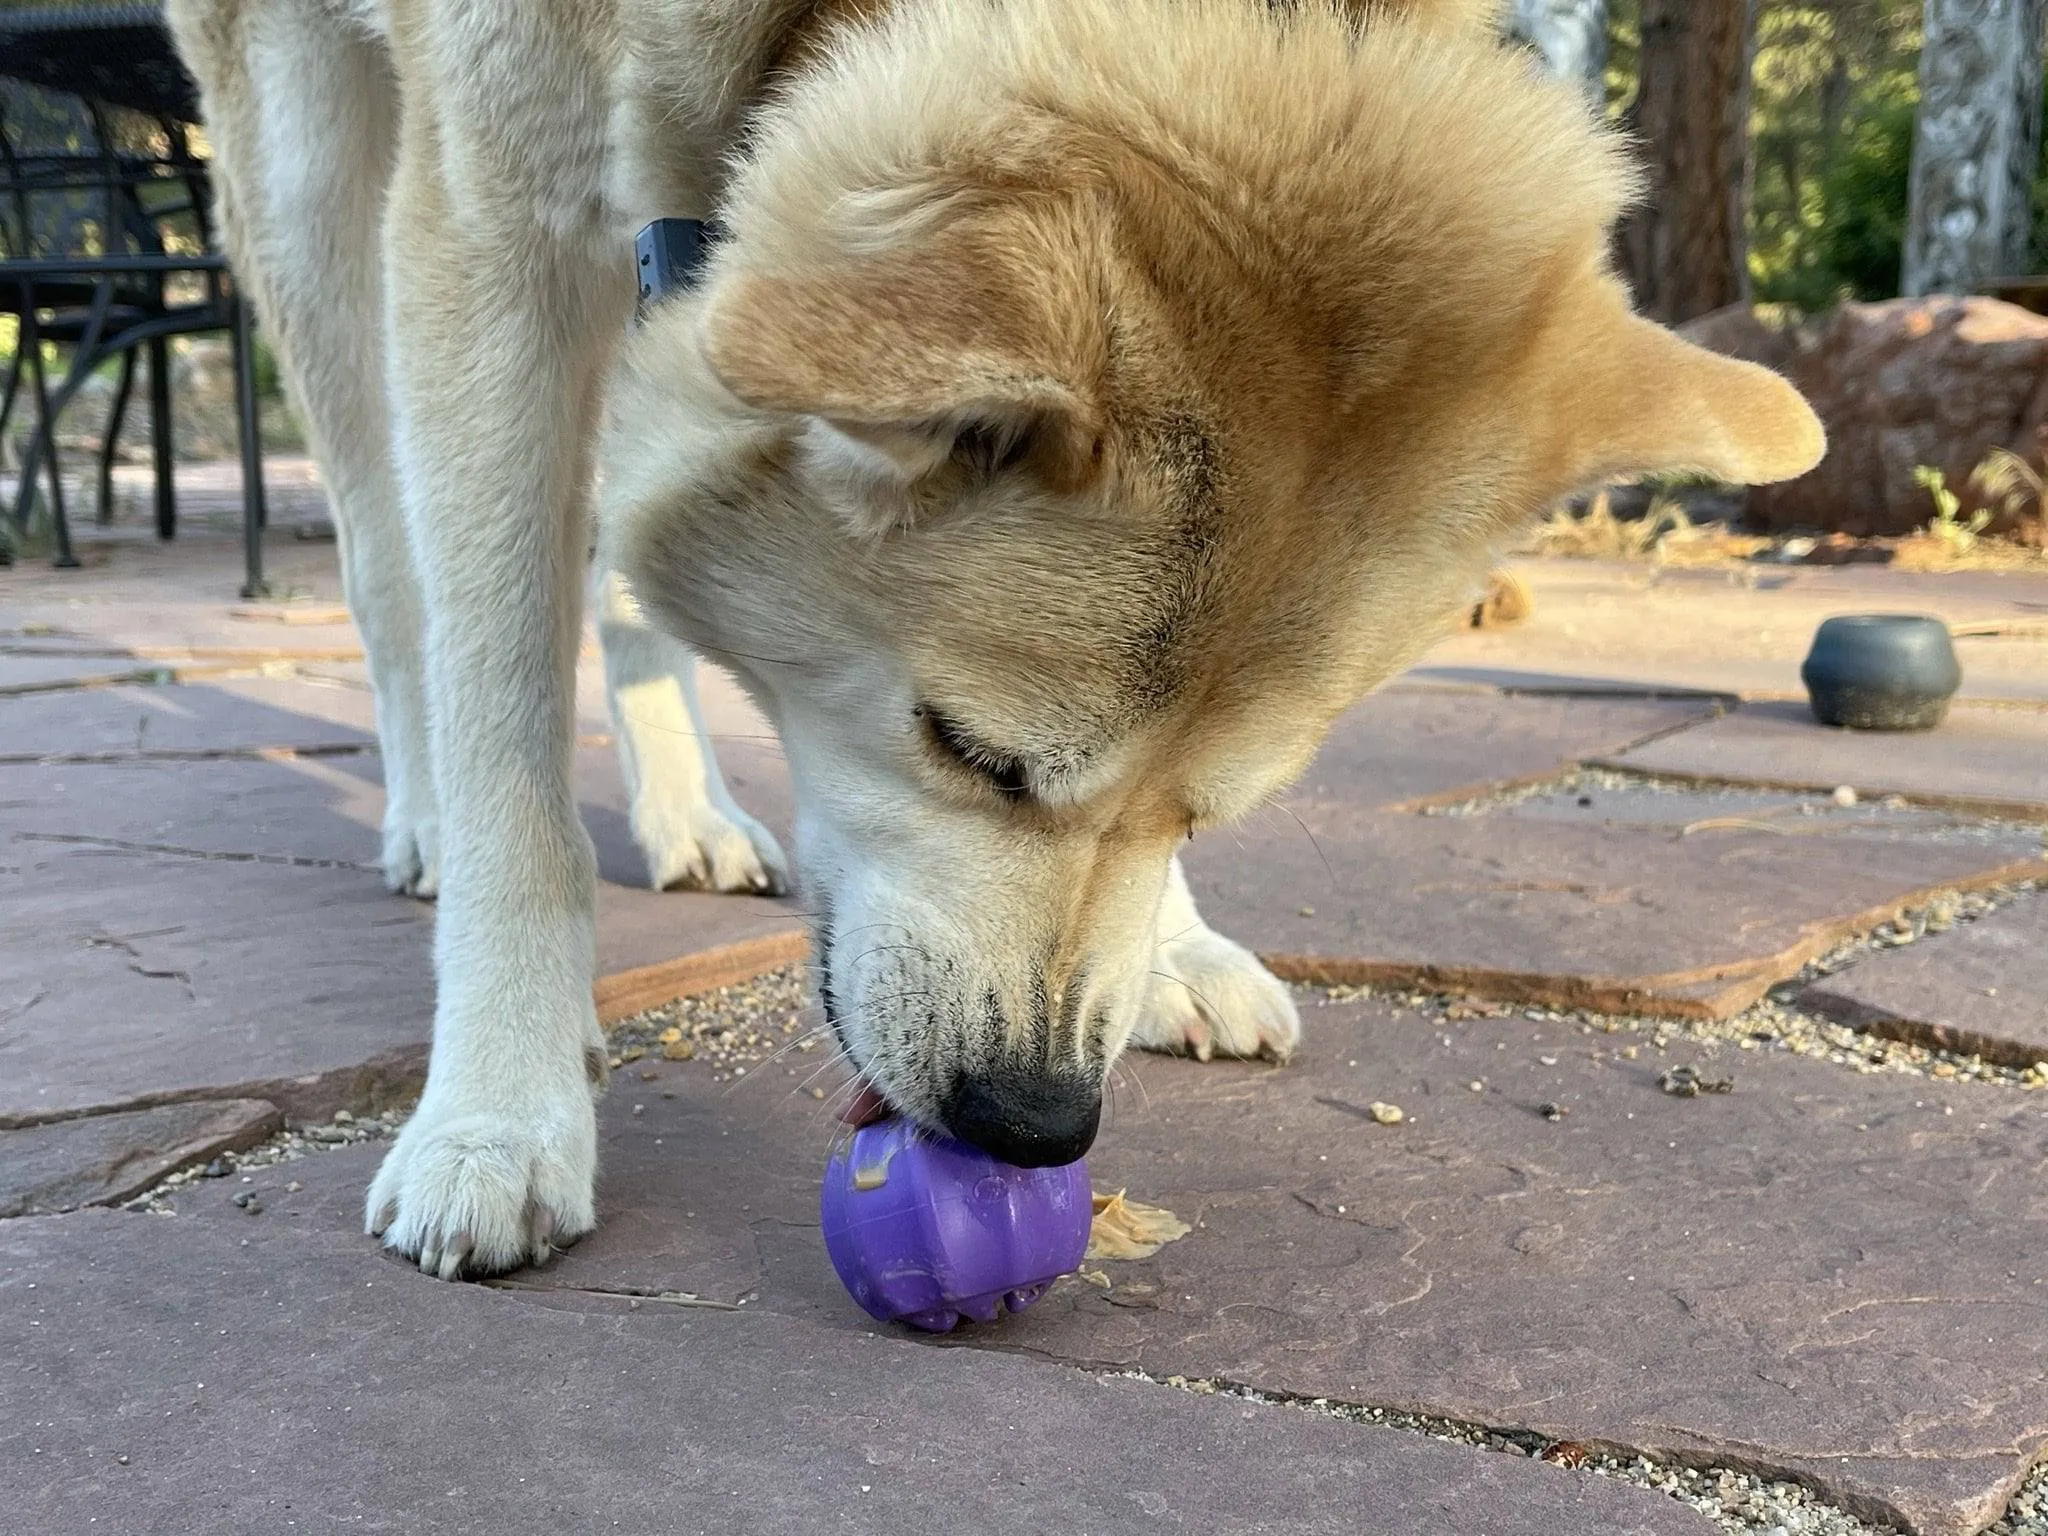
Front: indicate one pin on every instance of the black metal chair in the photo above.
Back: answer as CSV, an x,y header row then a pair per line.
x,y
105,244
78,179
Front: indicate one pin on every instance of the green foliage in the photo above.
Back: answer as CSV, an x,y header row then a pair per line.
x,y
1948,527
1835,88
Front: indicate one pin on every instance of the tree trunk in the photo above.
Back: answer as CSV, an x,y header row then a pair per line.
x,y
1685,247
1571,35
1974,144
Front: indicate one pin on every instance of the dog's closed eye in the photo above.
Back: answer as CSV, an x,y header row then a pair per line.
x,y
1004,772
989,448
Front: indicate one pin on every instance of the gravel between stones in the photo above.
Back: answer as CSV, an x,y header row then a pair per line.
x,y
1739,1502
1844,807
344,1130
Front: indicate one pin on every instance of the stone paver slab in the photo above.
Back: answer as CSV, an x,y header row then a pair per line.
x,y
324,811
1411,744
1820,1272
185,928
1743,629
242,714
1983,759
27,676
176,1375
1623,916
1821,1275
1981,987
100,1159
133,978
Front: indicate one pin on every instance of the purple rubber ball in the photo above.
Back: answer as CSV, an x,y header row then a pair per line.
x,y
927,1231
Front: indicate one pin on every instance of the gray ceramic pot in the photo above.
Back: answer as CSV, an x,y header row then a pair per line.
x,y
1882,672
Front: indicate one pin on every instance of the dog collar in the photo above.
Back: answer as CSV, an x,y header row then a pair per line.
x,y
672,254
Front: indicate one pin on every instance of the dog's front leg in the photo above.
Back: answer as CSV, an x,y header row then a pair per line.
x,y
495,393
1210,996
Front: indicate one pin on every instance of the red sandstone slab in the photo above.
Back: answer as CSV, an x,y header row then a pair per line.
x,y
252,1380
128,979
1611,915
30,675
227,715
1410,744
320,811
1821,1275
262,956
1981,987
102,1159
1994,760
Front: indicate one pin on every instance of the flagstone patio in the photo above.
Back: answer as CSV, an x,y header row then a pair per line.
x,y
1567,860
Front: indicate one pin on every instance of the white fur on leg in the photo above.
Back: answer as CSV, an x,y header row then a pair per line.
x,y
1210,996
499,1162
687,824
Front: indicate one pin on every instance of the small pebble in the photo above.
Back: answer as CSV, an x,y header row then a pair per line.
x,y
1845,795
1387,1114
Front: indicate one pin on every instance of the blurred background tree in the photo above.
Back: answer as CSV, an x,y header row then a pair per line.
x,y
1833,89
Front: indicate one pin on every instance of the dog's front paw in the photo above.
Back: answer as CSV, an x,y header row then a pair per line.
x,y
1211,997
412,855
705,848
477,1188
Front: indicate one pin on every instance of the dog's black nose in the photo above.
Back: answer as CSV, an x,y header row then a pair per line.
x,y
1025,1116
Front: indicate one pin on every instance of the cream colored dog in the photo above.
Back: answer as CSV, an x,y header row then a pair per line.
x,y
1090,401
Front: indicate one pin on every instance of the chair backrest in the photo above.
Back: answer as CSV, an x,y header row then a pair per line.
x,y
79,178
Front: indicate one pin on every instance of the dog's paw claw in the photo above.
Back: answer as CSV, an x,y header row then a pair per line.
x,y
703,848
470,1192
1211,997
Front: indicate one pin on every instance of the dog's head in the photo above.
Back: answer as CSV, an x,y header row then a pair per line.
x,y
1092,401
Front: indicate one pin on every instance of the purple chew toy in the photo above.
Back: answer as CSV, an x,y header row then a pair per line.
x,y
927,1231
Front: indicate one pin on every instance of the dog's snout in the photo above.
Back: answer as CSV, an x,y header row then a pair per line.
x,y
1025,1115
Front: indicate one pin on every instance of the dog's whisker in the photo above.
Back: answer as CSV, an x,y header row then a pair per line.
x,y
1305,832
1194,992
642,722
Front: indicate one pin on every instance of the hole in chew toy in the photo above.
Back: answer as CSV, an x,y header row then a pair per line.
x,y
1124,1229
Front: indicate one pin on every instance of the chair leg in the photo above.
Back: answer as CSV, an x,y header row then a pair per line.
x,y
112,439
161,441
13,388
43,442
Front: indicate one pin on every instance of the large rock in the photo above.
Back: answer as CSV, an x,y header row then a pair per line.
x,y
1939,381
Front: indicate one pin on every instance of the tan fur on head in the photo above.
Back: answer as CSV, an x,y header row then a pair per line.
x,y
1094,397
1404,211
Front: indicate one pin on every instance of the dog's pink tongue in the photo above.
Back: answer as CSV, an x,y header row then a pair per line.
x,y
866,1108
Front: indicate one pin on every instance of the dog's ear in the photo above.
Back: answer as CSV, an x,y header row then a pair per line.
x,y
967,345
1641,399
